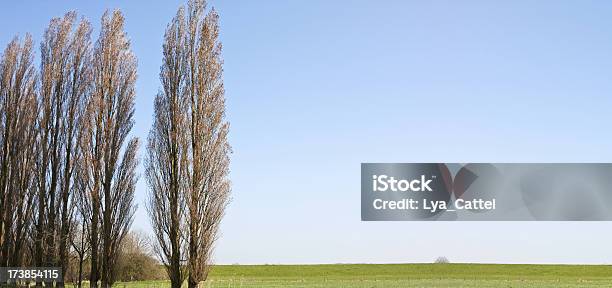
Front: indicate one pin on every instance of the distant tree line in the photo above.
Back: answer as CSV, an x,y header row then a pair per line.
x,y
68,164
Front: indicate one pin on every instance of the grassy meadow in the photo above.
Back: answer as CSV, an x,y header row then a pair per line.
x,y
402,275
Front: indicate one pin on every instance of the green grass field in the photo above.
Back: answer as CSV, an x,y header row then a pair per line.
x,y
402,275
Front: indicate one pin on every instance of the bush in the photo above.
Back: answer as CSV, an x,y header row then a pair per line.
x,y
135,261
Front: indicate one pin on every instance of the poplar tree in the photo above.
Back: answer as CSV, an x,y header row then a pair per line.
x,y
18,133
109,158
188,151
65,84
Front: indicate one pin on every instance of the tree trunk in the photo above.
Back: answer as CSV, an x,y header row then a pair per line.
x,y
94,276
81,260
39,255
194,258
65,221
106,233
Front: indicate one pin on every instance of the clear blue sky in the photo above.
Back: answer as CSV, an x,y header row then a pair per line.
x,y
314,88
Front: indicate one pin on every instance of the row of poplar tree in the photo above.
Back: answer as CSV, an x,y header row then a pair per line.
x,y
67,162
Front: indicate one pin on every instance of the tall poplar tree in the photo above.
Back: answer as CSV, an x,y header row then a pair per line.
x,y
188,150
65,84
110,160
18,133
